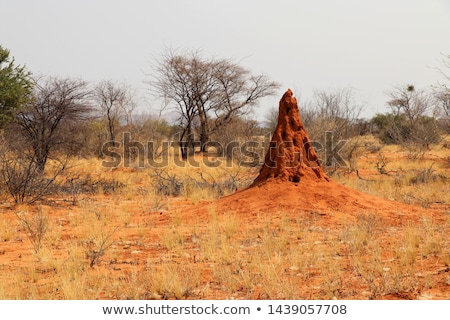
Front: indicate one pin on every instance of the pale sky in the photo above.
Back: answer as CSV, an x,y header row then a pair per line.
x,y
306,45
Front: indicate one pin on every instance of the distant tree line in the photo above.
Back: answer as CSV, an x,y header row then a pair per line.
x,y
45,121
416,116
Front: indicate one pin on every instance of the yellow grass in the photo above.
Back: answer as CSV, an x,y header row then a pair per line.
x,y
269,259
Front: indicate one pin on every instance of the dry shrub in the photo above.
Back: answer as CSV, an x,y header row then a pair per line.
x,y
357,147
23,179
363,232
425,176
36,226
166,183
97,244
381,163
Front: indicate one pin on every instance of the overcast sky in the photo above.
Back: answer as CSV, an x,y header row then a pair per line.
x,y
305,45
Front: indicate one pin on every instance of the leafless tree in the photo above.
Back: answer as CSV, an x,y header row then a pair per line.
x,y
328,111
238,90
334,111
271,119
418,130
210,92
48,121
114,102
173,83
443,102
412,102
23,179
442,93
129,106
446,63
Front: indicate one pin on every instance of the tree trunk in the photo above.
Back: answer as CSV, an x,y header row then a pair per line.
x,y
204,132
41,151
186,143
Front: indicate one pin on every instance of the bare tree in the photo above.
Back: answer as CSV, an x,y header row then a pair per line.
x,y
442,97
413,127
238,91
111,99
45,128
57,105
331,111
412,102
271,119
173,83
442,93
446,63
208,91
129,106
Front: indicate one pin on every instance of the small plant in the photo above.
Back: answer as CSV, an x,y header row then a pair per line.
x,y
357,147
6,231
172,239
361,234
174,280
97,248
433,239
423,176
382,162
166,183
36,227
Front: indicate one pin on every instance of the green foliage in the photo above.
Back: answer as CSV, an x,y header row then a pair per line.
x,y
397,129
389,128
15,86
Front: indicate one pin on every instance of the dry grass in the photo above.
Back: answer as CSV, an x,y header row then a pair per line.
x,y
114,235
424,181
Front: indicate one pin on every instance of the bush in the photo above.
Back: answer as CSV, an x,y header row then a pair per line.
x,y
23,178
415,137
358,146
166,183
36,227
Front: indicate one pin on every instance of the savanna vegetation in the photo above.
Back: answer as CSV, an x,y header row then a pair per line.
x,y
97,191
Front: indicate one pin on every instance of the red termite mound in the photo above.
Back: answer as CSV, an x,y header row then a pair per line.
x,y
291,156
292,178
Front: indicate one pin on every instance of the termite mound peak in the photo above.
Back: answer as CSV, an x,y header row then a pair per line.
x,y
291,157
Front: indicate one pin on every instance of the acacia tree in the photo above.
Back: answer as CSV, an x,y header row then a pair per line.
x,y
15,87
47,121
209,91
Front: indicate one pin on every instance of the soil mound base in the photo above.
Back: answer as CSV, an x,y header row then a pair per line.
x,y
330,201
